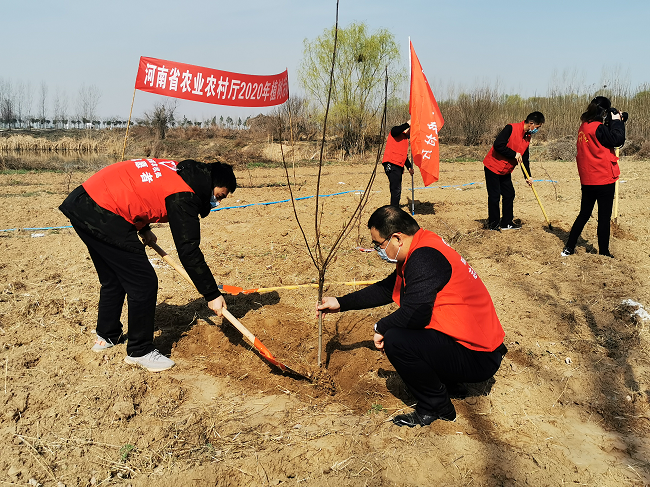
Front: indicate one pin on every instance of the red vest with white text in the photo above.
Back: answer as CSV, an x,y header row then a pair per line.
x,y
397,149
499,164
463,308
136,189
597,164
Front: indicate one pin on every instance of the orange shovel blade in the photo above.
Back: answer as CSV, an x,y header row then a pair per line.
x,y
267,355
231,289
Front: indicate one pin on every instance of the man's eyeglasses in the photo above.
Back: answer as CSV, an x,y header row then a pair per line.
x,y
377,246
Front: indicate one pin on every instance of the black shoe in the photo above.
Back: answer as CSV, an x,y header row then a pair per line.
x,y
567,251
493,226
511,226
414,418
606,254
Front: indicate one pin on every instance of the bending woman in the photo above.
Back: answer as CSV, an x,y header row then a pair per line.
x,y
598,169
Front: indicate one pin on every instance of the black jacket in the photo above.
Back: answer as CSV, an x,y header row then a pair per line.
x,y
183,211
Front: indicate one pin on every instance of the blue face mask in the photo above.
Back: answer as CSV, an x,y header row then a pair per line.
x,y
534,131
214,202
384,256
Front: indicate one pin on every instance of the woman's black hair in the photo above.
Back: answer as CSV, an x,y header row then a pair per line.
x,y
597,110
223,176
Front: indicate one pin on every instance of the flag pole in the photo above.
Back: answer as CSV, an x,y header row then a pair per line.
x,y
412,185
616,151
412,196
128,124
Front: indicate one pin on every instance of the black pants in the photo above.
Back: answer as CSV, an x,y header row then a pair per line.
x,y
499,186
604,195
124,273
426,360
394,173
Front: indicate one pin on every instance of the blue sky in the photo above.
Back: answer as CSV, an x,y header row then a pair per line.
x,y
522,46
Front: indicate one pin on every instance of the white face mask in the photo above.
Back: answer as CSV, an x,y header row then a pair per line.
x,y
384,256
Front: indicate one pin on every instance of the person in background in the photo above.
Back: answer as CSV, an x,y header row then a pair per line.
x,y
510,148
602,130
395,158
115,206
446,330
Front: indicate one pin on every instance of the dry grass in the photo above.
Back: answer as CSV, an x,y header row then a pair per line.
x,y
27,143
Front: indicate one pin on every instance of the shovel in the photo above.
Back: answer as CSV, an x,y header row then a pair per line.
x,y
523,168
252,339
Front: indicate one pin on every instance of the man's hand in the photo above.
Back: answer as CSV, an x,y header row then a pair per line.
x,y
530,182
379,341
217,305
518,158
330,305
148,238
411,171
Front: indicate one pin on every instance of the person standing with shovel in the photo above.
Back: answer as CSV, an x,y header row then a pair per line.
x,y
117,204
510,148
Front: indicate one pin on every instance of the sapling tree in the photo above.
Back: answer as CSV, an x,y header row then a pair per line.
x,y
321,256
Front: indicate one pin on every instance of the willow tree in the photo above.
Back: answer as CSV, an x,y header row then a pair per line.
x,y
358,92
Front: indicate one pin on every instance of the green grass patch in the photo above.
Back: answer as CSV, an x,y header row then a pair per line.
x,y
376,408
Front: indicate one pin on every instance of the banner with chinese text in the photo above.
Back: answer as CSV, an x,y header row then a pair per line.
x,y
208,85
426,121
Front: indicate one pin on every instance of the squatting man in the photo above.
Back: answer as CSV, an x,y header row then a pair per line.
x,y
446,330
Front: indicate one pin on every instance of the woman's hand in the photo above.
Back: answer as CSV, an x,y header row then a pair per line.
x,y
217,305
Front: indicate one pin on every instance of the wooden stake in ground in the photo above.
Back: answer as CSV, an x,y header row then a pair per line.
x,y
536,196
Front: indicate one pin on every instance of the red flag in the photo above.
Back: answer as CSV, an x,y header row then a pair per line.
x,y
208,85
426,121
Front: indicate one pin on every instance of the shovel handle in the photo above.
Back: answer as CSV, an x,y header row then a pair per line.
x,y
165,256
237,324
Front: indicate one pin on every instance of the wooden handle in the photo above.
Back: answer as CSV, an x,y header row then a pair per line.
x,y
237,324
535,193
172,263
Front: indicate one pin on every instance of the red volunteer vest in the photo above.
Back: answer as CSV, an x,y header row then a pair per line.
x,y
463,309
136,189
597,164
397,150
499,164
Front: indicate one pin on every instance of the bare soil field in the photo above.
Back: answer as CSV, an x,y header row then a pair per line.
x,y
570,404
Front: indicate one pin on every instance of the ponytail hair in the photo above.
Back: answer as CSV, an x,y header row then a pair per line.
x,y
597,110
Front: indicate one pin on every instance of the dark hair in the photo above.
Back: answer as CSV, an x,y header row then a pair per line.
x,y
536,117
223,176
597,109
388,220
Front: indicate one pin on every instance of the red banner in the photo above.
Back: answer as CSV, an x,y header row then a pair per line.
x,y
426,121
208,85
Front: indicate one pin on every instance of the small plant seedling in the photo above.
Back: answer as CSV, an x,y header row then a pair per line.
x,y
376,408
125,451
